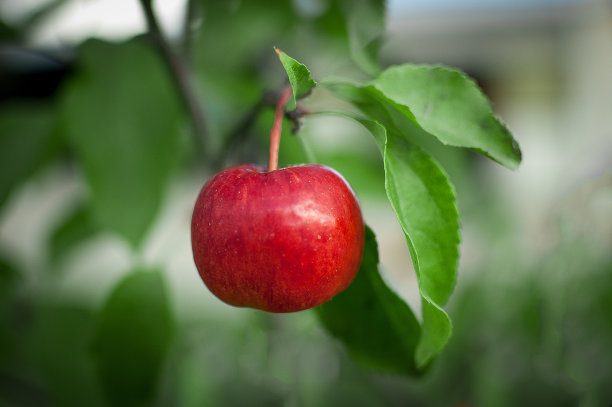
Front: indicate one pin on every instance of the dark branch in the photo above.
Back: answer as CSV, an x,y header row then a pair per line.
x,y
192,14
241,130
178,72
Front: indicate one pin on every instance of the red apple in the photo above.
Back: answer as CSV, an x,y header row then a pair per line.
x,y
280,241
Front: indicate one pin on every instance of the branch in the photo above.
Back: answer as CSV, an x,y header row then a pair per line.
x,y
192,13
241,130
178,73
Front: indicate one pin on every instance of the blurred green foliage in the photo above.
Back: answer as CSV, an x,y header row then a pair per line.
x,y
525,332
132,337
27,141
120,116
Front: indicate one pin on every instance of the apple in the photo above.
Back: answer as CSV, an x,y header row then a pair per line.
x,y
279,240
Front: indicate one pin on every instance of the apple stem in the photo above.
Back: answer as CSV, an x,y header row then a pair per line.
x,y
275,133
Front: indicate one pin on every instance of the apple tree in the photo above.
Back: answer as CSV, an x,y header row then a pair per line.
x,y
131,117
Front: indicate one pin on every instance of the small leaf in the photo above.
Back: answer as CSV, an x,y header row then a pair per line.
x,y
299,77
449,105
377,327
134,332
365,21
26,142
72,230
123,120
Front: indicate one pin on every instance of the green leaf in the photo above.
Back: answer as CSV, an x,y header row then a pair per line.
x,y
377,327
123,120
72,230
132,339
60,346
10,277
424,202
26,142
365,22
299,77
449,105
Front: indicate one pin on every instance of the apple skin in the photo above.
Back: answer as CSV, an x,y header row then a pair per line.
x,y
279,241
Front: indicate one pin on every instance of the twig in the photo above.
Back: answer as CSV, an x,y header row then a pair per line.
x,y
192,12
241,130
178,73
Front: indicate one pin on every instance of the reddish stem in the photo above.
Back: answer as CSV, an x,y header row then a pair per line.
x,y
275,133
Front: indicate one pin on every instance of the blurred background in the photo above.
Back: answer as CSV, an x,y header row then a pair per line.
x,y
81,207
